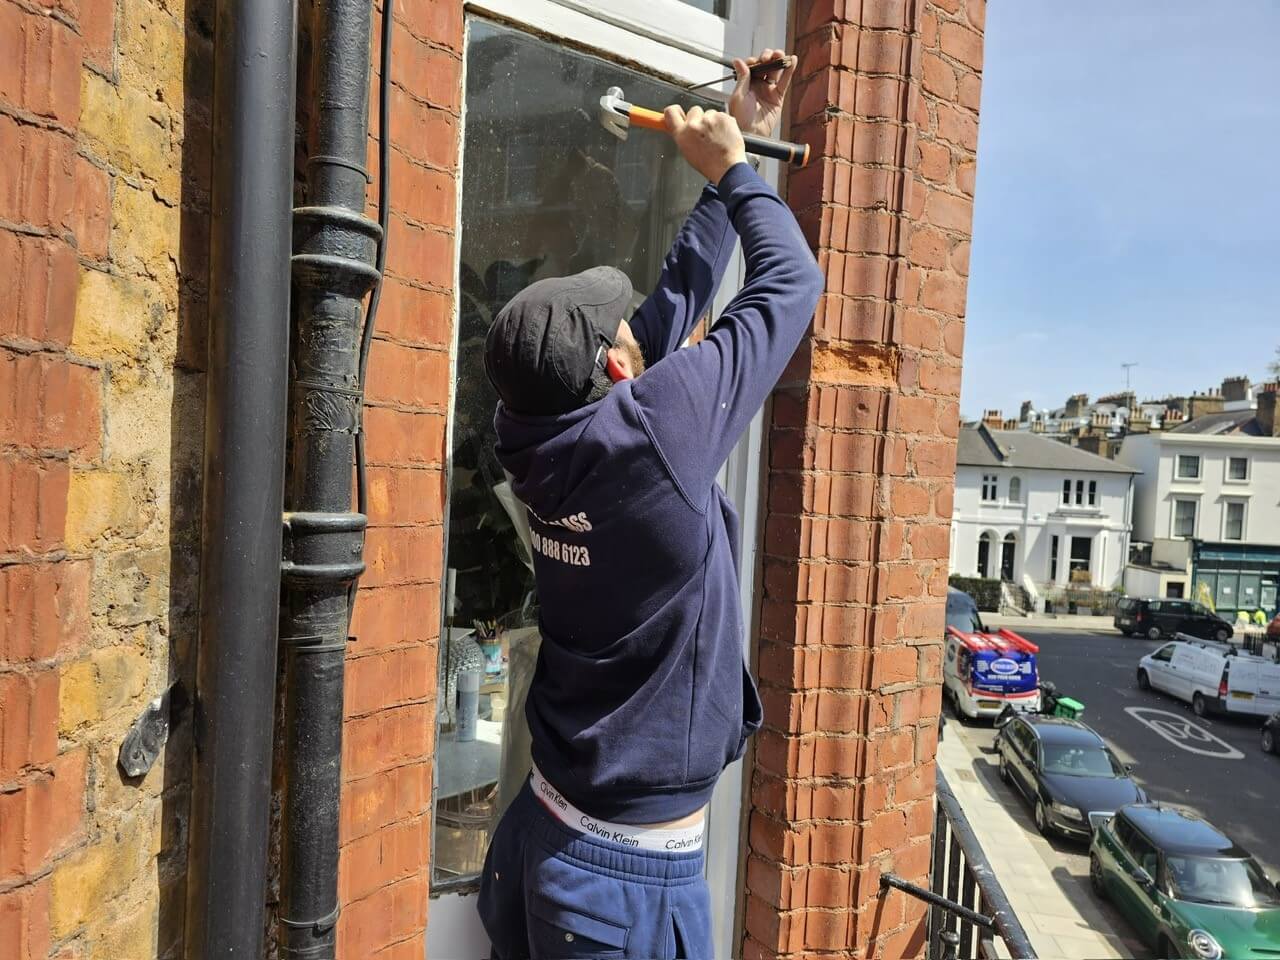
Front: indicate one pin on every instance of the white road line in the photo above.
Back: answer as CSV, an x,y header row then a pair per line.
x,y
1184,733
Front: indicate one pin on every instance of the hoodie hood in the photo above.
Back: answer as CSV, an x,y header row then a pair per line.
x,y
545,455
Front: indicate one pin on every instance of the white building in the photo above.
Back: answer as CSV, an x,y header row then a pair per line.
x,y
1037,512
1207,500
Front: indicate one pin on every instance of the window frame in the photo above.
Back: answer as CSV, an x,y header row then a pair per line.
x,y
1243,504
1178,458
991,486
1226,470
1055,548
1093,493
1014,490
1173,518
1066,491
623,29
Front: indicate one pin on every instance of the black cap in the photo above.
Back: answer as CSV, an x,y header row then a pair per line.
x,y
542,350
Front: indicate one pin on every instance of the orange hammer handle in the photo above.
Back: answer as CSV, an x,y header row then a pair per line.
x,y
796,154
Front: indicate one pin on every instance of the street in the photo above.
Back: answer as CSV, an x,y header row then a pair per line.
x,y
1213,765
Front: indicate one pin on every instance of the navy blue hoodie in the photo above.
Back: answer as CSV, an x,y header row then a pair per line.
x,y
641,696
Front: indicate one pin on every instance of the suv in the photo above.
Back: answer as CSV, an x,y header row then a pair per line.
x,y
1156,619
1184,885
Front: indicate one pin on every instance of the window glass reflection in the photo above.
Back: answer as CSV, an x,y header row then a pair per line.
x,y
546,191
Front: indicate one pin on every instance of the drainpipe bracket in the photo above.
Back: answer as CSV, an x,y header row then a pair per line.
x,y
322,549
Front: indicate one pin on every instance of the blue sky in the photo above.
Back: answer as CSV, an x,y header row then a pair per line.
x,y
1128,199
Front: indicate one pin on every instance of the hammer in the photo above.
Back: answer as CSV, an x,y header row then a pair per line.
x,y
617,116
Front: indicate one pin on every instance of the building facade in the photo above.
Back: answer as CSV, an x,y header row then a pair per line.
x,y
1205,503
1035,512
844,482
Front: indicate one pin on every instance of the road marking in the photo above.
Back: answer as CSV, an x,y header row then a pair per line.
x,y
1184,733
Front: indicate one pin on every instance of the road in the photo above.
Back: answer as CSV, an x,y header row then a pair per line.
x,y
1231,783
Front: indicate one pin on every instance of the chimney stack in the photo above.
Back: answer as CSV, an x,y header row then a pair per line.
x,y
993,419
1202,404
1235,389
1024,414
1267,409
1075,405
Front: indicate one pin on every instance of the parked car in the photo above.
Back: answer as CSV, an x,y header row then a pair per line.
x,y
962,612
1185,886
1213,677
1271,733
1155,619
1273,628
1066,771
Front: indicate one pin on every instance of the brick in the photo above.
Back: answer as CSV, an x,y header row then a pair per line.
x,y
44,607
422,132
915,414
966,176
935,161
403,437
386,739
37,300
428,74
949,211
944,292
892,665
934,458
976,11
399,794
957,127
939,77
970,92
420,254
98,26
408,376
34,494
24,920
415,315
962,43
389,678
382,858
440,23
28,720
91,217
959,259
405,613
390,914
43,192
405,496
391,554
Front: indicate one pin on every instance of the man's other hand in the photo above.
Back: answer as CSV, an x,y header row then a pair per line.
x,y
757,103
708,139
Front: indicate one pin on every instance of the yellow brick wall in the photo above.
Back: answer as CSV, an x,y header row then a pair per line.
x,y
138,319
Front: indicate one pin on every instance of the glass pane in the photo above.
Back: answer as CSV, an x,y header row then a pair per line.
x,y
1238,469
546,191
1235,521
1188,466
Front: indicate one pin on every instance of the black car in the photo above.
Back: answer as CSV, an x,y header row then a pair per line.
x,y
1271,733
1066,771
1155,619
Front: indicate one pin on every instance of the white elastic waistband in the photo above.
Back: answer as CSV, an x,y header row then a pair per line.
x,y
668,839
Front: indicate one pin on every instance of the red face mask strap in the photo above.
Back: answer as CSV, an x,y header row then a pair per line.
x,y
615,372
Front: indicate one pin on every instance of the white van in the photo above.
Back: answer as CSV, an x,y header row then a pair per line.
x,y
1213,677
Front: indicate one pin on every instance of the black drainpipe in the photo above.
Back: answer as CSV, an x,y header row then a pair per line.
x,y
251,193
335,248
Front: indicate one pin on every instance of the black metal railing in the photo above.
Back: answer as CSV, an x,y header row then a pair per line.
x,y
970,913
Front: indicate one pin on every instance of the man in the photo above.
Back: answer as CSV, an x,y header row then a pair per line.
x,y
613,436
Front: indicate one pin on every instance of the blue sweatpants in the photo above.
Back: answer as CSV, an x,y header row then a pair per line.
x,y
552,892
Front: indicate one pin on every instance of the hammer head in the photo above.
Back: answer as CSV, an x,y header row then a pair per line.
x,y
614,113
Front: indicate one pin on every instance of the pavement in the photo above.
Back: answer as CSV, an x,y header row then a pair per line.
x,y
1043,621
1051,896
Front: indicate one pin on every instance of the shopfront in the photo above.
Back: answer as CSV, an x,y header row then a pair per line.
x,y
1236,577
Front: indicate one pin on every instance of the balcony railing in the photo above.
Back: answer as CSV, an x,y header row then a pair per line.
x,y
971,916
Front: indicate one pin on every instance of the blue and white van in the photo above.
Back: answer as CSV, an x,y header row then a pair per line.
x,y
984,671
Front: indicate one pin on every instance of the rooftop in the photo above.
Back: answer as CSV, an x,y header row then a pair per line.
x,y
1179,831
983,447
1231,421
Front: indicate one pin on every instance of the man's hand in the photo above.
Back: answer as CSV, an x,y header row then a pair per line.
x,y
757,104
708,139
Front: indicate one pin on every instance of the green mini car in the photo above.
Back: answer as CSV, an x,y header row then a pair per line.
x,y
1184,885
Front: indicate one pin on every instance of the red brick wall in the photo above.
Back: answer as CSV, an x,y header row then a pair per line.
x,y
51,216
860,483
391,668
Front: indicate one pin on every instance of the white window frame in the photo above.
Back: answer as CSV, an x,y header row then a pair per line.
x,y
675,43
1173,518
1227,504
990,484
1177,466
1093,493
1015,486
1226,469
670,37
1066,492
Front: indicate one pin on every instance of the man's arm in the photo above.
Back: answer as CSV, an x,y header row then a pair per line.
x,y
691,275
698,401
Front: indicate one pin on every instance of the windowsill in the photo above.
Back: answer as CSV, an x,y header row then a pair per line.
x,y
1235,494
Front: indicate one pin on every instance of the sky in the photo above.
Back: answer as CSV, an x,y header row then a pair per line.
x,y
1128,200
